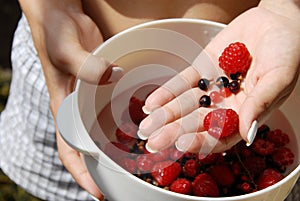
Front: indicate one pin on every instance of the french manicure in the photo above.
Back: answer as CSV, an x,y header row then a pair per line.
x,y
150,149
116,74
141,136
252,132
145,110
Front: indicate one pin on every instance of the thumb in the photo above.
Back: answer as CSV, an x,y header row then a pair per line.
x,y
93,69
266,95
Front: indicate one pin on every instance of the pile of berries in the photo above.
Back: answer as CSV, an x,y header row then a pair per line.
x,y
237,171
240,170
235,61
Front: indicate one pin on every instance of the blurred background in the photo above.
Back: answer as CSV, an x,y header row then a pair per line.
x,y
9,16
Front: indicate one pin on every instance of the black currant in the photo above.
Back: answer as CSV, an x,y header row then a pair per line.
x,y
236,76
203,84
222,81
205,101
234,86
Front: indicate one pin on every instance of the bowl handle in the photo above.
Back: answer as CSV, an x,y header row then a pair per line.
x,y
71,127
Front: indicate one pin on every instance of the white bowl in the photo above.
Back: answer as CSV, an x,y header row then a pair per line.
x,y
150,53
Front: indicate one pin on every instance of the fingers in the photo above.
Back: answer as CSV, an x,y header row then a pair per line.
x,y
166,136
73,162
175,109
202,142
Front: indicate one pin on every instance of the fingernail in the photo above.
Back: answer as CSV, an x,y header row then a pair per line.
x,y
94,198
145,110
252,132
116,74
141,136
150,149
178,147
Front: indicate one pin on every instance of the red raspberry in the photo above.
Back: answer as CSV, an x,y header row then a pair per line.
x,y
181,185
283,157
205,186
161,155
221,122
126,133
116,151
135,110
268,178
235,59
263,147
144,163
191,168
129,165
222,174
255,165
175,154
209,159
165,172
279,138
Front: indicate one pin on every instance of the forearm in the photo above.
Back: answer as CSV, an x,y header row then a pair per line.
x,y
287,8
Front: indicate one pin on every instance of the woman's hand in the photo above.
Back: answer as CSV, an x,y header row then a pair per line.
x,y
64,36
273,40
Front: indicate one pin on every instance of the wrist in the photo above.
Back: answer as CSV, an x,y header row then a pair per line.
x,y
287,8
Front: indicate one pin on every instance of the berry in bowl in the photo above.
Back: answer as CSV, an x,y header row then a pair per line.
x,y
101,123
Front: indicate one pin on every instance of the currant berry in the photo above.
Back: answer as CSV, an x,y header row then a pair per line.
x,y
216,97
222,81
236,76
234,86
203,84
205,101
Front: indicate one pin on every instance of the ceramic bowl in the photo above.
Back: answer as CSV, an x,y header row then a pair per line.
x,y
150,53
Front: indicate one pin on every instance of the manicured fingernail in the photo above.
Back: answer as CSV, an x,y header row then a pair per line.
x,y
141,136
94,198
145,110
150,149
178,147
252,132
116,74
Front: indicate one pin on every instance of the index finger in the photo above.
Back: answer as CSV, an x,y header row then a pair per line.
x,y
203,67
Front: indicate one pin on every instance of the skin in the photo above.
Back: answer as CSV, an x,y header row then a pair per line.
x,y
62,29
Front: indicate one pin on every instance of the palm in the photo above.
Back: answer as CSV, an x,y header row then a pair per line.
x,y
273,42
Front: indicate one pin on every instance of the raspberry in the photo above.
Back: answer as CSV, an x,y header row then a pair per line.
x,y
263,147
116,151
181,185
165,172
221,122
129,165
235,59
191,168
126,133
268,178
283,157
278,138
144,163
254,165
209,159
161,156
135,110
205,186
222,174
